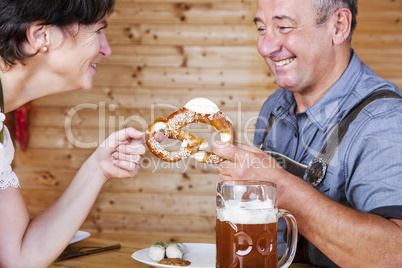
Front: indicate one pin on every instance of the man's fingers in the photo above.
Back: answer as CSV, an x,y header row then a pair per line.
x,y
233,152
226,168
248,148
225,178
225,150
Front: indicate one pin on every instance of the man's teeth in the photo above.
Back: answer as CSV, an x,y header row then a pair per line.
x,y
93,65
284,62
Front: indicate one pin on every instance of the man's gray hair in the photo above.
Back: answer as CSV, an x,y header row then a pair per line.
x,y
326,8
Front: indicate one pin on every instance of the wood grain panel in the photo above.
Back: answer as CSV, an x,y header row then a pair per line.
x,y
113,98
137,203
101,222
233,57
51,158
119,118
187,183
142,55
236,12
174,77
181,34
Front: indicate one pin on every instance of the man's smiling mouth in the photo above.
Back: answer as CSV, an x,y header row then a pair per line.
x,y
93,65
284,62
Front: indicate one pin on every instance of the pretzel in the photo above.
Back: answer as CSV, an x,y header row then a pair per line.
x,y
198,110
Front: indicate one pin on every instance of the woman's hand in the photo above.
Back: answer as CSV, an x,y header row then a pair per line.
x,y
121,153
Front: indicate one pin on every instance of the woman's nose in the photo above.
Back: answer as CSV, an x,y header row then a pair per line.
x,y
105,49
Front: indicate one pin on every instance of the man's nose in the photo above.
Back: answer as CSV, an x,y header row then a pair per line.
x,y
268,44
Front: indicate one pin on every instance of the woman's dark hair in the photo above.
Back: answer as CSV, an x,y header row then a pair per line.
x,y
16,15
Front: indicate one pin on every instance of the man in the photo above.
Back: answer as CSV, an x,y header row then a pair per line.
x,y
352,218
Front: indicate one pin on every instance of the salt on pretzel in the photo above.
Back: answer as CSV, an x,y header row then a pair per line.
x,y
198,110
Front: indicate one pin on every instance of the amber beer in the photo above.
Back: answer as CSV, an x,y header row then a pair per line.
x,y
247,225
246,245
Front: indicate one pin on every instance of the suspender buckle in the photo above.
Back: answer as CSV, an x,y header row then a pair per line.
x,y
315,172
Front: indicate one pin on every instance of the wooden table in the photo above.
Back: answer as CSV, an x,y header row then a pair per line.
x,y
129,244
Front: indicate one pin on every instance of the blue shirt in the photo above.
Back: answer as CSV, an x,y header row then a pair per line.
x,y
366,171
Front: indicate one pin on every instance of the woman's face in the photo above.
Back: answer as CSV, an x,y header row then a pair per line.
x,y
73,57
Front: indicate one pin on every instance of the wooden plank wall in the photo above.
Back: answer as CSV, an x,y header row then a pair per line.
x,y
166,52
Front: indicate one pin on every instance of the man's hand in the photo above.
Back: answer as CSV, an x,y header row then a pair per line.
x,y
245,162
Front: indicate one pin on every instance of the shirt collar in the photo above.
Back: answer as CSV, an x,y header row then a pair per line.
x,y
328,110
285,104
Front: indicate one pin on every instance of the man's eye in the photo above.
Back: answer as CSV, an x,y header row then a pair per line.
x,y
260,29
284,29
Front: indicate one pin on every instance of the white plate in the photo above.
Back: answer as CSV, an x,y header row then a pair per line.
x,y
200,255
80,235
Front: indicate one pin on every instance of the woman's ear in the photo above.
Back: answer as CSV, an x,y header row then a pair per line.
x,y
38,37
342,23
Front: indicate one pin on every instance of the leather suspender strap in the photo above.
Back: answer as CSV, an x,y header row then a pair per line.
x,y
271,121
288,164
285,162
316,170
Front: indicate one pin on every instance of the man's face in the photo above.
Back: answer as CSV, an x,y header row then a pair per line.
x,y
299,52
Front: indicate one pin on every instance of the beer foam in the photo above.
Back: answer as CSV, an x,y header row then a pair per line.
x,y
252,212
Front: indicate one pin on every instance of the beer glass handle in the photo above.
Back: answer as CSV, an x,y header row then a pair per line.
x,y
291,244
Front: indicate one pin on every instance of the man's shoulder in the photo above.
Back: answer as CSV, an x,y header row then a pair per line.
x,y
380,120
368,81
385,105
365,87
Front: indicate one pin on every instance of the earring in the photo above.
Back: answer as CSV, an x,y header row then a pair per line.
x,y
44,49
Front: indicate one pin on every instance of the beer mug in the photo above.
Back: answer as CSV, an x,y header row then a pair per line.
x,y
247,226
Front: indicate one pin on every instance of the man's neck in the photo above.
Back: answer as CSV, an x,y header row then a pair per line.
x,y
308,97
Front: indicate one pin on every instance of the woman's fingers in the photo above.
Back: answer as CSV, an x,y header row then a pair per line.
x,y
132,148
159,136
125,136
131,158
128,156
132,165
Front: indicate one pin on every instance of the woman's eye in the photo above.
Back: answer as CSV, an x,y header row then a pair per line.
x,y
101,29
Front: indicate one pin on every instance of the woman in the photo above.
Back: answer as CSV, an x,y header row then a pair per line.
x,y
49,47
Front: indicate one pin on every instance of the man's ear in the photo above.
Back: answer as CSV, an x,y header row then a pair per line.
x,y
38,37
342,23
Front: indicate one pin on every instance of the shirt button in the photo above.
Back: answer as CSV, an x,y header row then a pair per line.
x,y
296,135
